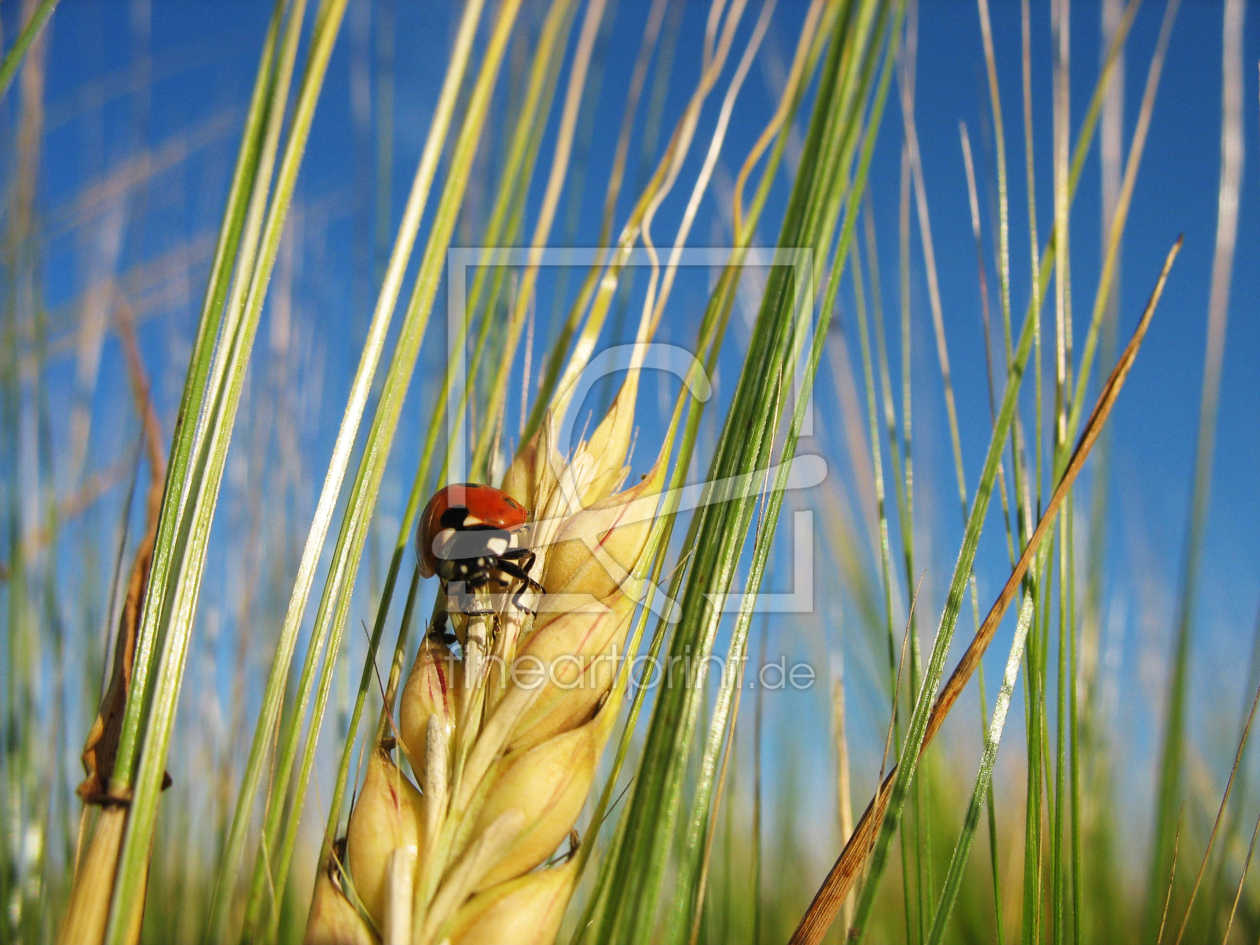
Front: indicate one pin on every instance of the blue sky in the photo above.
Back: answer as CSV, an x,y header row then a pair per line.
x,y
200,60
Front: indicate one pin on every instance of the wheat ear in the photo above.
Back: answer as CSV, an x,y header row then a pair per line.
x,y
504,736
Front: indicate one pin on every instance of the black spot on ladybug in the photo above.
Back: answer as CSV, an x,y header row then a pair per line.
x,y
453,517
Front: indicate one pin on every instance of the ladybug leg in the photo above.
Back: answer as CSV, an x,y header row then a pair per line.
x,y
521,573
518,564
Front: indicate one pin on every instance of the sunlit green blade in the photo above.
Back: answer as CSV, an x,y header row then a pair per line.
x,y
13,58
206,474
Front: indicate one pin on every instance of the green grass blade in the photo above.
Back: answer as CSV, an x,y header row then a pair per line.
x,y
653,810
204,482
17,52
764,540
230,238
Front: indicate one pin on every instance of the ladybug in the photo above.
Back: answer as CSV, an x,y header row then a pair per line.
x,y
475,534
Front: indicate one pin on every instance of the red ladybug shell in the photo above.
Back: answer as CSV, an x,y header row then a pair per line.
x,y
483,506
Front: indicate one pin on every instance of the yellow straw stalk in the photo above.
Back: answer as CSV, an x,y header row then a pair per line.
x,y
94,879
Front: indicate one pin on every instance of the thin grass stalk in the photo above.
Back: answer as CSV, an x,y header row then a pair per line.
x,y
899,449
877,466
1024,512
1111,152
1119,218
1060,20
900,494
1034,243
731,691
914,849
986,324
1035,704
1172,876
1068,570
990,805
1242,879
758,795
915,164
1031,905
